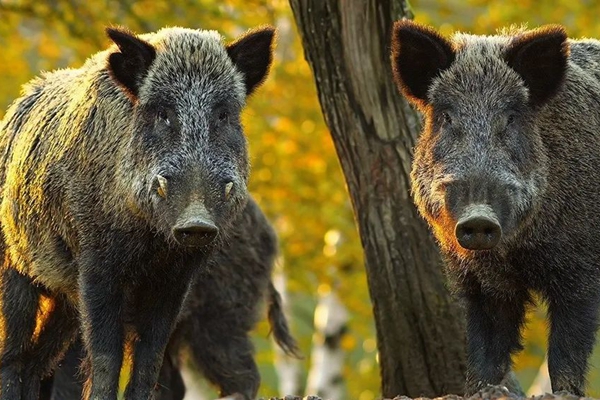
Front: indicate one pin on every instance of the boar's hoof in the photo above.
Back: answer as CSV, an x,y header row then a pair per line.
x,y
478,233
195,233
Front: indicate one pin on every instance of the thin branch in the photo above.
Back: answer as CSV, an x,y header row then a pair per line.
x,y
17,8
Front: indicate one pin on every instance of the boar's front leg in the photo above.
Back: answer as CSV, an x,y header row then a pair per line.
x,y
19,308
101,304
54,335
170,382
494,322
29,351
159,305
573,325
67,382
223,350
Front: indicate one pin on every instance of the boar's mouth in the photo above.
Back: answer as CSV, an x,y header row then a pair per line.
x,y
478,228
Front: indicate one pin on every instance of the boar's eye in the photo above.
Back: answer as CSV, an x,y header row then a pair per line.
x,y
446,118
223,116
163,117
510,119
222,113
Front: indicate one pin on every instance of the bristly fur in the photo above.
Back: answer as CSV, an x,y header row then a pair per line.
x,y
129,66
83,224
545,77
257,63
512,124
412,41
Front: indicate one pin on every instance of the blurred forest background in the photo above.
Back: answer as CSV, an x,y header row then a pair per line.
x,y
296,176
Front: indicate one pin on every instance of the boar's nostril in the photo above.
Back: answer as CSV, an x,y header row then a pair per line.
x,y
478,232
195,233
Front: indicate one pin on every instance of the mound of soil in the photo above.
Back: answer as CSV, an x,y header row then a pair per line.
x,y
489,393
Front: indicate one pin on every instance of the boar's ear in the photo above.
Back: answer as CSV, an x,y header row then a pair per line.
x,y
252,54
419,54
540,58
130,64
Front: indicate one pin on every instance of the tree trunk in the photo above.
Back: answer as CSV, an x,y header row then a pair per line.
x,y
325,378
541,384
288,368
420,329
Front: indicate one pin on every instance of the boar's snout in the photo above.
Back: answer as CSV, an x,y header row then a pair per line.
x,y
195,233
478,228
195,227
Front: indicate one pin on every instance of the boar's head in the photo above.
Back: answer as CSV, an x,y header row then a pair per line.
x,y
480,167
187,155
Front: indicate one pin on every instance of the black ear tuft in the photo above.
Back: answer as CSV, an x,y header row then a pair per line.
x,y
252,54
540,58
129,66
419,54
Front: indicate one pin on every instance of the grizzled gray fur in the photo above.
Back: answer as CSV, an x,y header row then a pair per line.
x,y
118,180
221,310
506,172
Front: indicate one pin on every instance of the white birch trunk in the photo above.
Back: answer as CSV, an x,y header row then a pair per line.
x,y
541,383
288,369
325,378
193,387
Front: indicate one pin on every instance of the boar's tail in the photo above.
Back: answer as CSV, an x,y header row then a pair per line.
x,y
279,324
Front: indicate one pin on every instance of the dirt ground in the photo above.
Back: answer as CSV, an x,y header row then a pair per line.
x,y
490,393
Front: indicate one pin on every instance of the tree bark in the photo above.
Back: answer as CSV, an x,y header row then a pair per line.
x,y
420,330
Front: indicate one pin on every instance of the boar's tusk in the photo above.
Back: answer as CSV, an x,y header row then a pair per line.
x,y
228,188
162,186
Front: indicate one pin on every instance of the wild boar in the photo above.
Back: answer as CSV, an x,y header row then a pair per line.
x,y
118,181
505,172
